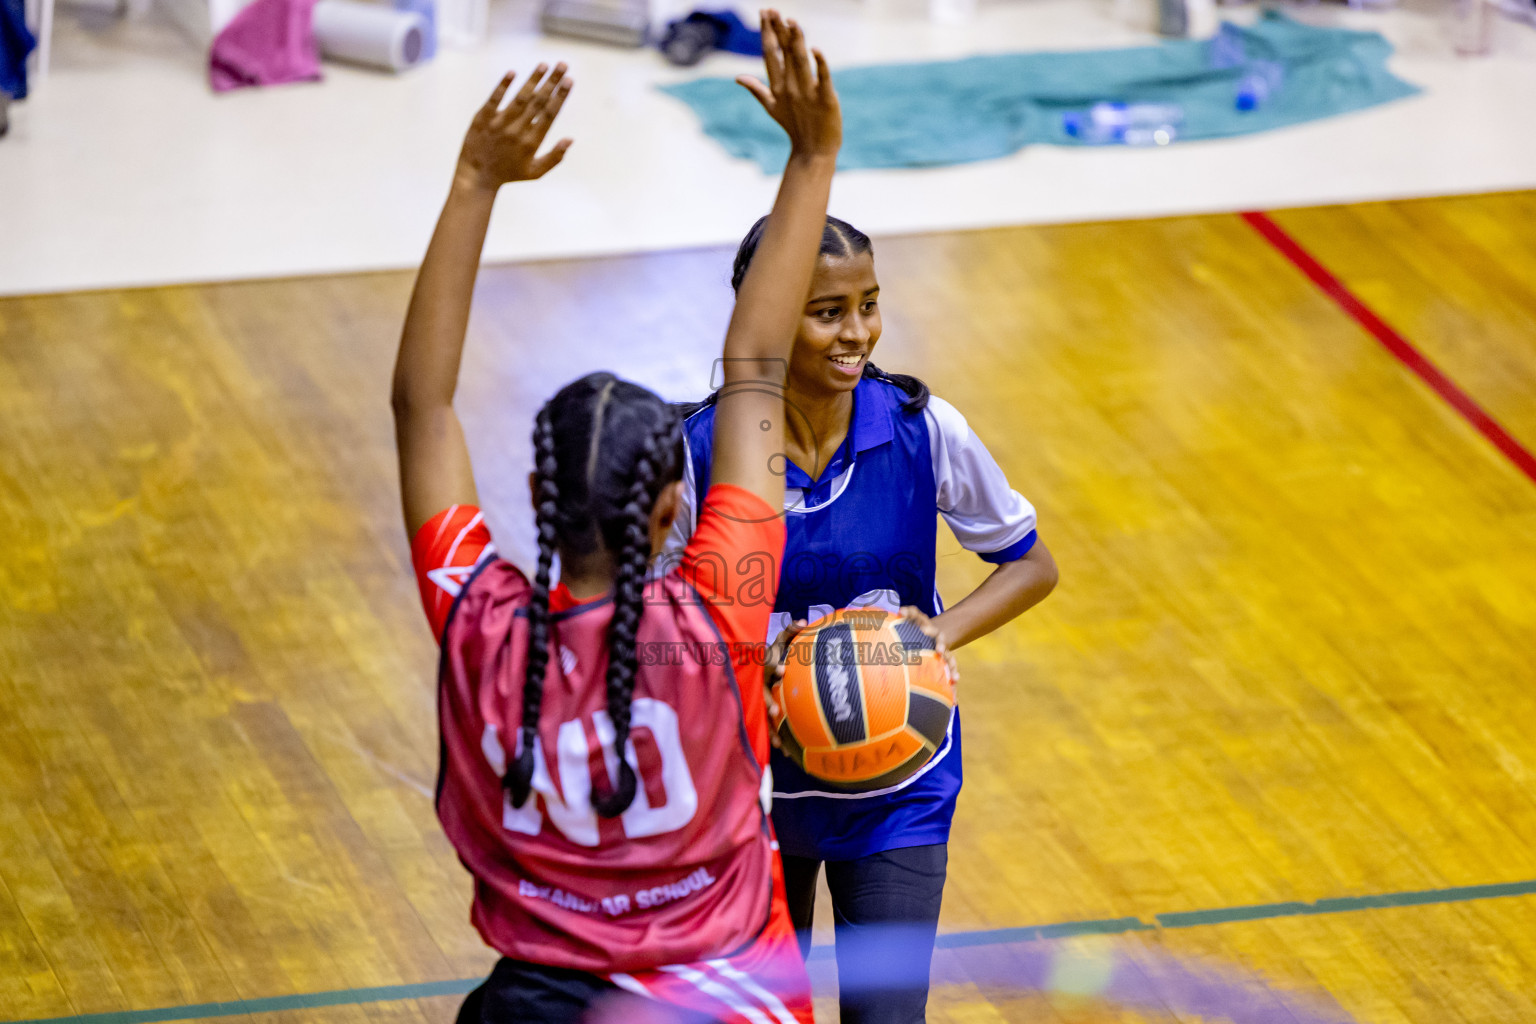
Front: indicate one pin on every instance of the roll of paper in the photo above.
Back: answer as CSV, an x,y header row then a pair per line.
x,y
370,34
428,11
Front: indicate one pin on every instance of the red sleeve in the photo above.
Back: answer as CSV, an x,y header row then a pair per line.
x,y
733,561
444,553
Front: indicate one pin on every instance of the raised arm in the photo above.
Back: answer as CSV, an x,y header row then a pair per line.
x,y
749,429
502,146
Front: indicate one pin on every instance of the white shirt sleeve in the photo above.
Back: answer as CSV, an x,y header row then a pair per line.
x,y
687,513
987,515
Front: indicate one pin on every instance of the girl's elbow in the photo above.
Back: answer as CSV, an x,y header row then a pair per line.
x,y
1048,579
399,402
1046,572
410,404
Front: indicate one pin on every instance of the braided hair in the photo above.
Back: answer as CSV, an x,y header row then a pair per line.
x,y
519,780
840,240
603,450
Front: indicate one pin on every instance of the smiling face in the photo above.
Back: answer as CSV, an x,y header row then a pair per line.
x,y
839,328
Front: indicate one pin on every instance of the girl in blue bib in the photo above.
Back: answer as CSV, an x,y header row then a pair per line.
x,y
872,461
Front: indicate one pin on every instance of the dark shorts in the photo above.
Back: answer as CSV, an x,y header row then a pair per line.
x,y
518,992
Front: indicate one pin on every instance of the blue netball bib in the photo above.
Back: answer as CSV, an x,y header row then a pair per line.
x,y
862,534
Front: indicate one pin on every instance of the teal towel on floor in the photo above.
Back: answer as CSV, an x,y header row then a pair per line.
x,y
917,115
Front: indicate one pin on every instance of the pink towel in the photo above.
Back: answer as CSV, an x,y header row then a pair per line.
x,y
269,42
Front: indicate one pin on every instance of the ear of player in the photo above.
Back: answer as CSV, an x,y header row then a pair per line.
x,y
865,699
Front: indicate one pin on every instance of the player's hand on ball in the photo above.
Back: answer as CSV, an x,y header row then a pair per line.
x,y
502,144
773,672
799,94
920,619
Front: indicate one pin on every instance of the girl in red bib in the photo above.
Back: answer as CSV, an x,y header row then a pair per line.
x,y
605,738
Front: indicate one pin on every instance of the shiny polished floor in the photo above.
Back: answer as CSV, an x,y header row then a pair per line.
x,y
1291,658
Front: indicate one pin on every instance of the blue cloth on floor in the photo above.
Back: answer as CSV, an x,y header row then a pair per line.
x,y
735,35
916,115
15,44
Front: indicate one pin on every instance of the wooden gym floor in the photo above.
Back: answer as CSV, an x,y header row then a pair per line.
x,y
1291,659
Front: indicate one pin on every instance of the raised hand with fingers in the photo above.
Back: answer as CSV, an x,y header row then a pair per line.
x,y
799,94
502,144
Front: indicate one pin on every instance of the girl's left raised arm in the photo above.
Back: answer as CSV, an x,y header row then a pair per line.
x,y
502,146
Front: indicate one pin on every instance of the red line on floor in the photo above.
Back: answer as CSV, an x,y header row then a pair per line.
x,y
1400,347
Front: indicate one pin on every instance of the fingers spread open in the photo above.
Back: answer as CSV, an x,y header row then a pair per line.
x,y
537,107
543,110
551,85
557,100
519,103
493,102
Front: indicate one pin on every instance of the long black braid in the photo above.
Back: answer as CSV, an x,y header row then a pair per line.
x,y
519,781
840,240
631,543
603,450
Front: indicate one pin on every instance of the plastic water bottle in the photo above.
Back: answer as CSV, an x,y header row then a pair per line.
x,y
1107,135
1261,78
1227,49
1261,81
1129,124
